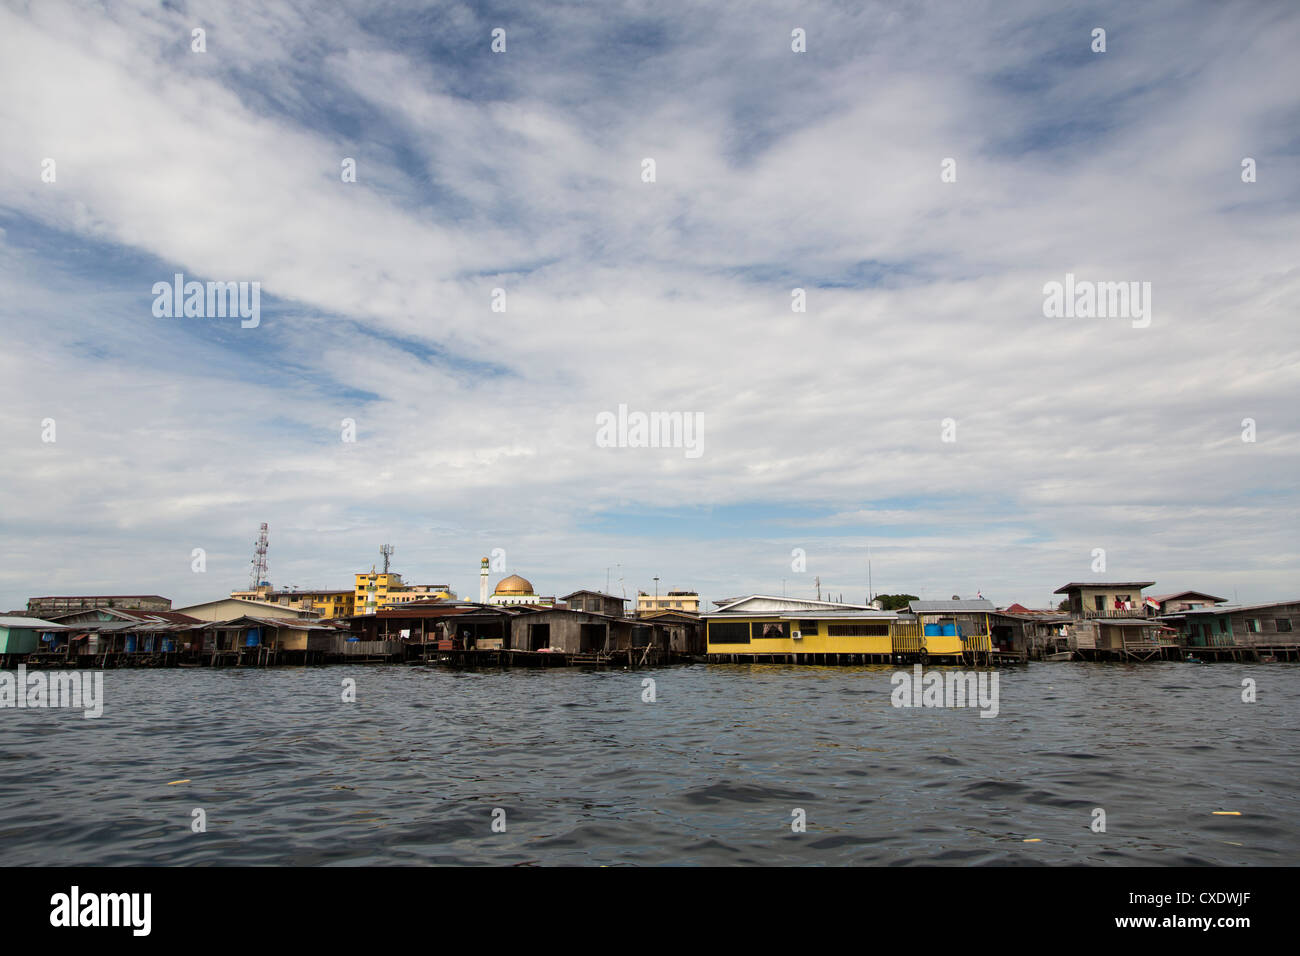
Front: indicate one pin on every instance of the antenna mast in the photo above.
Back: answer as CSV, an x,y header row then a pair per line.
x,y
259,559
387,551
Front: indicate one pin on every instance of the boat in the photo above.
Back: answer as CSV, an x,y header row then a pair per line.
x,y
1060,656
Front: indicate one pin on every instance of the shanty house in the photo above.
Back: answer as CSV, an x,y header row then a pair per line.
x,y
572,632
1090,599
22,635
955,625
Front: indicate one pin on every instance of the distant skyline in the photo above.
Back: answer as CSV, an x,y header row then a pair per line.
x,y
774,171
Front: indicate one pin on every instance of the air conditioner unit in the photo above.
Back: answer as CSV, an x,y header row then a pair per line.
x,y
796,635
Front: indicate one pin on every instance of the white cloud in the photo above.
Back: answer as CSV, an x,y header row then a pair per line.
x,y
522,172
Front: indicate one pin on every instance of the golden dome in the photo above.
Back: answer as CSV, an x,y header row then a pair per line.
x,y
513,585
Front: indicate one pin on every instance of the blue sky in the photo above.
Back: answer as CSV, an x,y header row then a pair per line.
x,y
775,170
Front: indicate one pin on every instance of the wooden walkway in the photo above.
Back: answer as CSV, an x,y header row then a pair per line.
x,y
632,657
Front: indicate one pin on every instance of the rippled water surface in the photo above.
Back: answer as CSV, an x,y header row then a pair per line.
x,y
709,773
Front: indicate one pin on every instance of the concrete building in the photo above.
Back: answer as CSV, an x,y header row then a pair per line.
x,y
324,603
671,601
375,591
226,609
58,604
411,593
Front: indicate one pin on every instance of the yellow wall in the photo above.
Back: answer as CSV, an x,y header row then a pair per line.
x,y
904,637
668,602
812,642
334,605
291,640
323,603
392,591
382,583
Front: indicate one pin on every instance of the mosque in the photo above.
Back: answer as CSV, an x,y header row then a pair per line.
x,y
511,589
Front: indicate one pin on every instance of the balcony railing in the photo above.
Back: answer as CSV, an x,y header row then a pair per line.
x,y
1157,641
1128,612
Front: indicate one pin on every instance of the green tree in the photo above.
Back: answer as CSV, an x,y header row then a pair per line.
x,y
895,602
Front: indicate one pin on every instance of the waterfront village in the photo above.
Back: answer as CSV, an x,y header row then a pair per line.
x,y
382,618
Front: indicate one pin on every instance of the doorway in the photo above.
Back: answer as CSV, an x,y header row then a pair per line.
x,y
539,636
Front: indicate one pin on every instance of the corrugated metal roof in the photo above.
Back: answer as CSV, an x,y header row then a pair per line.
x,y
832,615
809,603
290,623
1231,608
612,597
1121,622
1162,598
970,604
1043,617
1102,584
30,622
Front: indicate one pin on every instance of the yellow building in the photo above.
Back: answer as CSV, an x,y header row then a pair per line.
x,y
333,604
377,591
326,604
418,592
765,628
688,601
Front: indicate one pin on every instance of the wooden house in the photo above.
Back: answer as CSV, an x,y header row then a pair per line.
x,y
568,631
1020,631
20,636
1122,638
765,628
595,601
968,620
1104,599
1226,630
682,632
1160,604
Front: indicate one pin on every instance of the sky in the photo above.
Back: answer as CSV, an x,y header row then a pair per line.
x,y
922,426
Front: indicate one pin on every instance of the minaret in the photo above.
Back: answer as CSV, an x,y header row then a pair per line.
x,y
483,582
